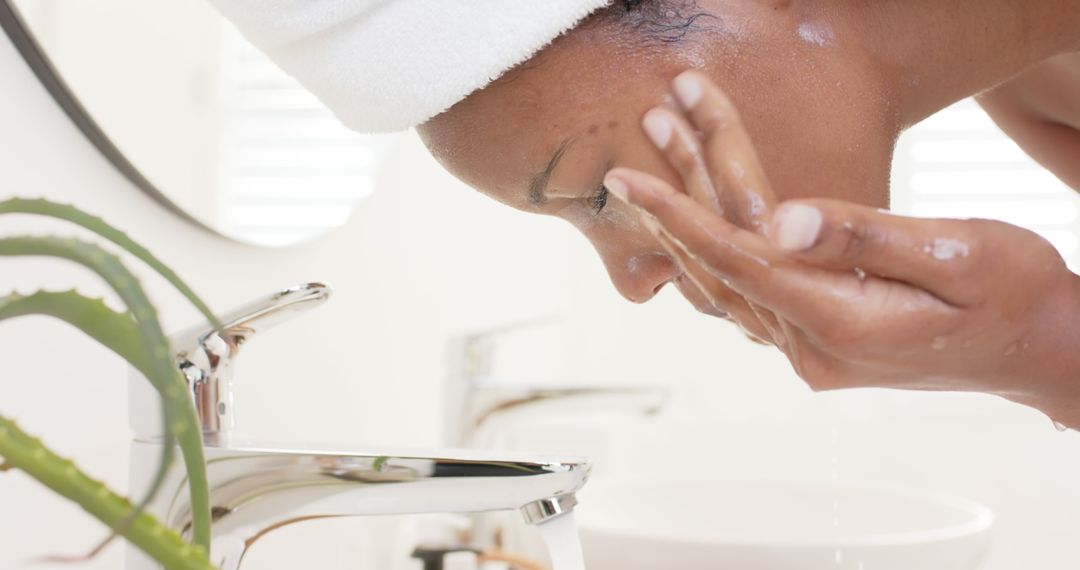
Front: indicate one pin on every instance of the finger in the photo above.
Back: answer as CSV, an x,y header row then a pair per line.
x,y
673,136
729,153
838,312
931,254
812,298
740,257
714,291
823,371
771,324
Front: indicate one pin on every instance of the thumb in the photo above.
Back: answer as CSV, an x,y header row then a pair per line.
x,y
839,235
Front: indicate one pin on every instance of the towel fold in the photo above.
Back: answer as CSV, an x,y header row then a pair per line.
x,y
388,65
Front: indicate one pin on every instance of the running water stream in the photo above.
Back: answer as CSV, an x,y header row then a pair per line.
x,y
563,542
839,555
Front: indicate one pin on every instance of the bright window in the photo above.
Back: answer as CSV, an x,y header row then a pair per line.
x,y
289,169
958,164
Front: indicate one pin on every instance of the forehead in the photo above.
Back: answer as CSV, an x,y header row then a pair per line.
x,y
580,88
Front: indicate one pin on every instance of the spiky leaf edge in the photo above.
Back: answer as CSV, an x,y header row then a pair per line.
x,y
183,423
61,475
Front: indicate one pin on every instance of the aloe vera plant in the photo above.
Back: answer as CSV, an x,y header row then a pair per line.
x,y
136,336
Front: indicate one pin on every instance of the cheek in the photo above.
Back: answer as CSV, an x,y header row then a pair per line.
x,y
641,154
616,222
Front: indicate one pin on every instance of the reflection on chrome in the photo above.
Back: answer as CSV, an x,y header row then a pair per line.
x,y
255,489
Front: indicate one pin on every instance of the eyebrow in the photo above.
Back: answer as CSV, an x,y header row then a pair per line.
x,y
539,183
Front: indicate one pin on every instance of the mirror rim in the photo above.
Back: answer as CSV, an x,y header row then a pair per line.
x,y
35,57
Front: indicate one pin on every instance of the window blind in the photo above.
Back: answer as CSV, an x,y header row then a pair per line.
x,y
958,164
289,169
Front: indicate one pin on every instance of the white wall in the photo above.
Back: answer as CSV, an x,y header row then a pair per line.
x,y
422,259
179,74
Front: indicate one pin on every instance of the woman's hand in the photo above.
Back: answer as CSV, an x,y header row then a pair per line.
x,y
854,296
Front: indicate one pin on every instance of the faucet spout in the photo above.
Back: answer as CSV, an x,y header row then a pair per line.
x,y
254,491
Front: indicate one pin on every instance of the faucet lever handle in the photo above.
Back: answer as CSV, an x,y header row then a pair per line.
x,y
245,321
205,355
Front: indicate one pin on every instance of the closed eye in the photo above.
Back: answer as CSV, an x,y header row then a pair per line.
x,y
598,199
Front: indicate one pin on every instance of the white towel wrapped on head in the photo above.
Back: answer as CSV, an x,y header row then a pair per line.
x,y
388,65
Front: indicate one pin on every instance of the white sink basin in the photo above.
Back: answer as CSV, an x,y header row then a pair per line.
x,y
775,525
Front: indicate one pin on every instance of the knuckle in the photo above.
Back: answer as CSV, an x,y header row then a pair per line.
x,y
720,119
854,238
683,158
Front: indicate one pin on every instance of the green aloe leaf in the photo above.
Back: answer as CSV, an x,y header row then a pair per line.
x,y
182,422
163,544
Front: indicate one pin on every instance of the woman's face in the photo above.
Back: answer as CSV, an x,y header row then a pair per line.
x,y
541,138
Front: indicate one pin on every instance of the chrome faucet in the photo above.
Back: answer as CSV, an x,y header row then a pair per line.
x,y
476,394
255,489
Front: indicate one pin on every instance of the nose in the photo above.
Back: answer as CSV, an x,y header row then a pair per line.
x,y
640,276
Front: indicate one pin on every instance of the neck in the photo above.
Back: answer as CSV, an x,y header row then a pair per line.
x,y
932,53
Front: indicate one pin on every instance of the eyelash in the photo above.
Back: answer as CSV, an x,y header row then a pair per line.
x,y
599,199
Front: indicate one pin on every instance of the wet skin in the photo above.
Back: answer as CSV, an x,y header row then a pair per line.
x,y
822,94
823,87
591,88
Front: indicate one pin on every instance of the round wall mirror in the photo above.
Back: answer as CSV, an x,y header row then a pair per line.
x,y
196,116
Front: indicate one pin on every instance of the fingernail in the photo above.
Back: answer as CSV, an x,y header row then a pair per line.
x,y
658,127
687,89
799,226
617,187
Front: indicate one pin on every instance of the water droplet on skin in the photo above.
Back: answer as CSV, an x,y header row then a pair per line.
x,y
738,170
1060,426
757,205
860,274
939,343
817,34
1012,349
641,262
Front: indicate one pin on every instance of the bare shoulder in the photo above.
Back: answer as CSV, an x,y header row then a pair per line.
x,y
1040,110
